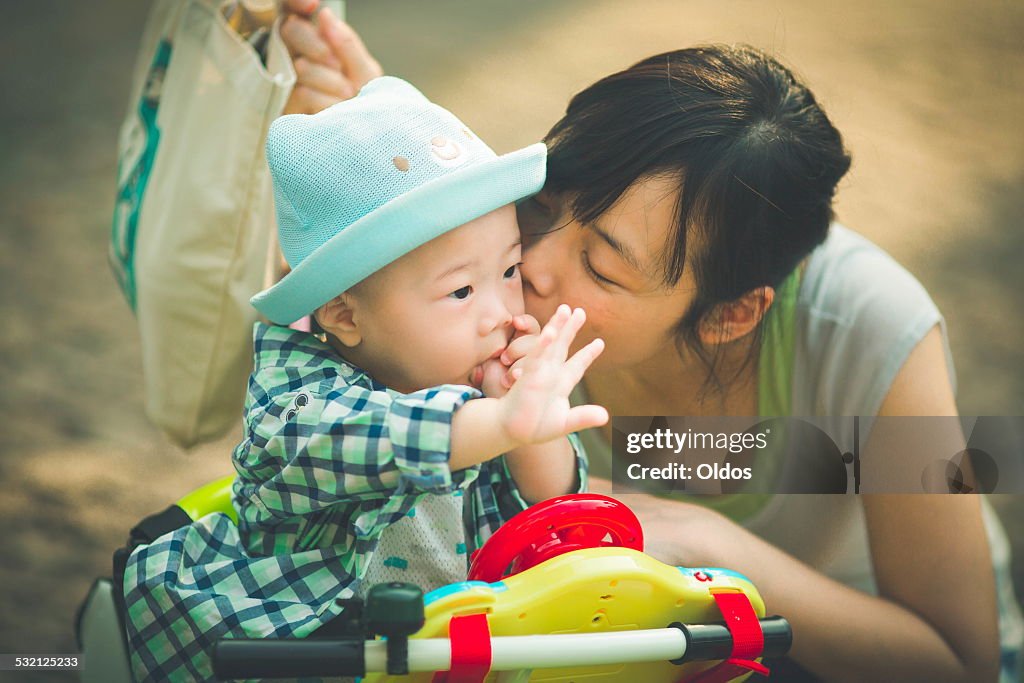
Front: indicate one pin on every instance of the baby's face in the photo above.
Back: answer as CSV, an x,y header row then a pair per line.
x,y
439,313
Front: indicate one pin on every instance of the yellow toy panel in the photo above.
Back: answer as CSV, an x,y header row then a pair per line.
x,y
587,591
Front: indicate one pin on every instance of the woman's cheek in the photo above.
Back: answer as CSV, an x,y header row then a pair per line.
x,y
627,334
600,323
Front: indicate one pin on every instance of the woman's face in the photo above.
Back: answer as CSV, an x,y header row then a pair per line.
x,y
611,268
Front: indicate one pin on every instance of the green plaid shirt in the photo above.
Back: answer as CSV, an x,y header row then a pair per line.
x,y
330,459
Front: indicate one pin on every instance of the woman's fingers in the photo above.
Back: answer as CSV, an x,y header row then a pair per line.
x,y
304,7
331,62
305,100
348,48
330,41
303,39
323,79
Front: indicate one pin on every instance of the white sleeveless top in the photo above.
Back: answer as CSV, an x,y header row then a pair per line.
x,y
856,317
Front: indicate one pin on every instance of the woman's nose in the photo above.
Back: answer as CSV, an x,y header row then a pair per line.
x,y
537,271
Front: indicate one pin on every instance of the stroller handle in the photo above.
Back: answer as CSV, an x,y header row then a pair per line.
x,y
679,643
259,658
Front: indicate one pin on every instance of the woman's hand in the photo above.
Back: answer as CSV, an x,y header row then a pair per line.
x,y
331,62
676,532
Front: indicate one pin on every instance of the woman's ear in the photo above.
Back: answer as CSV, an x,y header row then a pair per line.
x,y
339,317
730,321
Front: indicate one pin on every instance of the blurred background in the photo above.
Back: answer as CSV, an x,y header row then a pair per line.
x,y
928,96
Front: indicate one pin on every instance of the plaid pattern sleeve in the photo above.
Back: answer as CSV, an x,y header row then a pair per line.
x,y
350,443
330,459
321,434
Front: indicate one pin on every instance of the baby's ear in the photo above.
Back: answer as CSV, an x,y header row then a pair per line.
x,y
338,317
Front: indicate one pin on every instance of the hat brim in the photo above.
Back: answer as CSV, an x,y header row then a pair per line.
x,y
398,227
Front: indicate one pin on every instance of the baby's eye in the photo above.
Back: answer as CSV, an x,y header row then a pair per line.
x,y
461,292
511,271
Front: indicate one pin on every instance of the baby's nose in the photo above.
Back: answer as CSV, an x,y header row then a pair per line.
x,y
501,319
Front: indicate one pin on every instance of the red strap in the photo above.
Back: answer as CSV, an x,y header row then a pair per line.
x,y
470,636
747,640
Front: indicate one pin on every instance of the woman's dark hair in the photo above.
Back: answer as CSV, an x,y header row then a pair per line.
x,y
757,159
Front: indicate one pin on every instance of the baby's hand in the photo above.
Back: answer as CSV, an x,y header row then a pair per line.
x,y
525,338
493,383
536,409
498,376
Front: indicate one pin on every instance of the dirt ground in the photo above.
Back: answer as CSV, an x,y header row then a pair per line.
x,y
928,95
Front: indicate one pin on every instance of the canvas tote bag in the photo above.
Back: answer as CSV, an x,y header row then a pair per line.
x,y
194,230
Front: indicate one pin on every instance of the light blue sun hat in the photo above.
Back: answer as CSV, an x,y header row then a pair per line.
x,y
368,180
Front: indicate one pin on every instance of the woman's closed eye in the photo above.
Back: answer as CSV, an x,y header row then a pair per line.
x,y
461,293
593,273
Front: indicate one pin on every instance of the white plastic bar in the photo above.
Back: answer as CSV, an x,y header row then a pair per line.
x,y
511,653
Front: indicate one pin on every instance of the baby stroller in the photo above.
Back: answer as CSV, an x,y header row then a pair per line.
x,y
562,592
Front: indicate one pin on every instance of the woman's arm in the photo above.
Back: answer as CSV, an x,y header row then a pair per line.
x,y
930,552
935,618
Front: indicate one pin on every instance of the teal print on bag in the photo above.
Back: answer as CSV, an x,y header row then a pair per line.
x,y
139,156
396,562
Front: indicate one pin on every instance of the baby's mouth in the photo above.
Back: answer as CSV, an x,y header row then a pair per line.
x,y
476,377
477,374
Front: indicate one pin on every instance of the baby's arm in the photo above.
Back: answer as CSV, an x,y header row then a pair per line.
x,y
307,450
544,470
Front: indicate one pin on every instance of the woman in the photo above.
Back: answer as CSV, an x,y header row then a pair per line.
x,y
688,209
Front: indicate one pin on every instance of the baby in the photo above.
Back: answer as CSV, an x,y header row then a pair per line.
x,y
394,445
400,229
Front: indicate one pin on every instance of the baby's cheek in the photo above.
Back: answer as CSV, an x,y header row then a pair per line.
x,y
491,384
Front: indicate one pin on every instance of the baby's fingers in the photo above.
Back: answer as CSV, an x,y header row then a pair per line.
x,y
519,348
585,417
552,329
567,333
526,324
510,377
580,361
